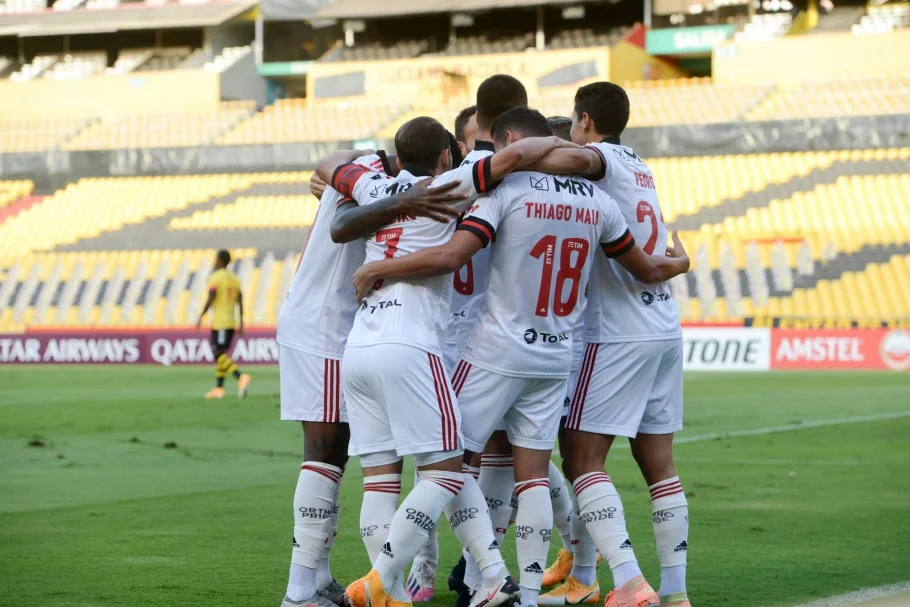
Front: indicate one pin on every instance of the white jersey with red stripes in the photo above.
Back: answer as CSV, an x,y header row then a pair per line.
x,y
546,229
469,281
622,308
320,306
413,312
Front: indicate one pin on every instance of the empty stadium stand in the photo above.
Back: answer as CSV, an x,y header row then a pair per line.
x,y
585,37
11,191
481,44
36,133
375,51
856,96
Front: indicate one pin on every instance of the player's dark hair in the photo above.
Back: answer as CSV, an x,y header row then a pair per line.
x,y
607,104
496,95
224,257
560,126
419,142
524,120
461,120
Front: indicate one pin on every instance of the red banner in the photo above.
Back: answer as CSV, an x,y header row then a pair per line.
x,y
164,346
844,349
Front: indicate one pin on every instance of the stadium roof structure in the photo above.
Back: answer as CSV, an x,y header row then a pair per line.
x,y
133,16
350,9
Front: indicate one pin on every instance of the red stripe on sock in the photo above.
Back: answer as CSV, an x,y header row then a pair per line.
x,y
588,481
537,482
329,474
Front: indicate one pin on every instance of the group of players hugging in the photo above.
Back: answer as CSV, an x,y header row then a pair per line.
x,y
468,302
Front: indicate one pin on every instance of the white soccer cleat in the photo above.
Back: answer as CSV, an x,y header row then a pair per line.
x,y
503,592
317,600
421,582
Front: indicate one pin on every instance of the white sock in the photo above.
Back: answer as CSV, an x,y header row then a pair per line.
x,y
602,514
533,528
670,514
529,596
472,470
471,524
472,578
496,482
324,571
413,520
430,550
562,506
380,501
314,503
584,561
514,503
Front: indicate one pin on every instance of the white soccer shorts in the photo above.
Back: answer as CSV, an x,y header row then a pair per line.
x,y
529,406
310,387
400,399
570,389
627,388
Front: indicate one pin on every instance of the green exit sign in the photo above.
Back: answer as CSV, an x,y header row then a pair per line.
x,y
686,40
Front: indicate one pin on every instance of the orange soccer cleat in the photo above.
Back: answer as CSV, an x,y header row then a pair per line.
x,y
572,592
215,392
634,593
368,592
677,599
243,382
559,570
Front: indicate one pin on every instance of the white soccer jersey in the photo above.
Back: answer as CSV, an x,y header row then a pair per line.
x,y
622,308
320,306
546,230
414,312
469,281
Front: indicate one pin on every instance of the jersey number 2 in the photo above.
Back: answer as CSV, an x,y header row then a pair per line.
x,y
646,211
391,237
570,267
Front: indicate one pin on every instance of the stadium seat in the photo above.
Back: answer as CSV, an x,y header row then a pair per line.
x,y
11,191
849,96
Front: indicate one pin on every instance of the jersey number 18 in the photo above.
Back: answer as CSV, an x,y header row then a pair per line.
x,y
573,254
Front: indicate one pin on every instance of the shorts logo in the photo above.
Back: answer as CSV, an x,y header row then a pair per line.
x,y
530,336
647,297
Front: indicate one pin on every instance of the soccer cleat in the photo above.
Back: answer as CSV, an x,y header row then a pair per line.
x,y
215,393
503,592
334,592
634,593
559,570
571,592
243,383
456,578
677,599
366,592
421,582
317,601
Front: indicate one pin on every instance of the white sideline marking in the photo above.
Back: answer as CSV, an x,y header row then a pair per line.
x,y
866,594
819,423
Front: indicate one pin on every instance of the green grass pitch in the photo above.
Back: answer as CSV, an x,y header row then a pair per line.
x,y
121,486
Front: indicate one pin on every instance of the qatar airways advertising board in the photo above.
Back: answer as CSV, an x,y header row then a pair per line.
x,y
704,348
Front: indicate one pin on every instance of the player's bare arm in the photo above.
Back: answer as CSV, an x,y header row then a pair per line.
x,y
240,309
353,222
651,269
326,167
581,161
522,153
208,304
432,261
317,186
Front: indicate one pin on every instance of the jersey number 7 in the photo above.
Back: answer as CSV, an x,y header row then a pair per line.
x,y
391,237
570,267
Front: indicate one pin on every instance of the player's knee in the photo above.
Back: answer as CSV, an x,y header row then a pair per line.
x,y
448,461
326,443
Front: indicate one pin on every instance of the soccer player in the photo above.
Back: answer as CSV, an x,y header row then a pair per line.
x,y
400,399
517,360
561,126
631,384
224,296
466,129
312,329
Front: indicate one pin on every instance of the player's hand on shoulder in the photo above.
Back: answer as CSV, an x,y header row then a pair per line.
x,y
677,250
317,185
364,279
433,202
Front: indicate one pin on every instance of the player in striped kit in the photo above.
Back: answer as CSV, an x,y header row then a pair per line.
x,y
517,360
400,399
631,379
312,328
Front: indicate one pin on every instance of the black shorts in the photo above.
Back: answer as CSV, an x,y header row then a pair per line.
x,y
222,339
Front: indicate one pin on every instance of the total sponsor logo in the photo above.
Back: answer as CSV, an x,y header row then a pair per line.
x,y
532,336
